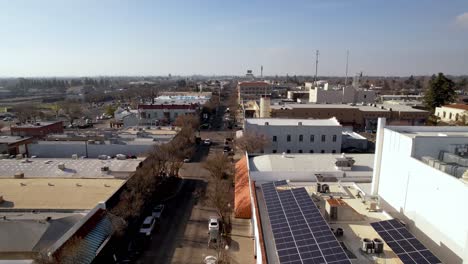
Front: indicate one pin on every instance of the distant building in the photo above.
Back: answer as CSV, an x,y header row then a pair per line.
x,y
360,117
297,135
11,145
37,130
453,113
252,90
418,173
156,114
340,95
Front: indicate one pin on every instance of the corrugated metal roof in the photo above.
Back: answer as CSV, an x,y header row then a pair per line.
x,y
91,242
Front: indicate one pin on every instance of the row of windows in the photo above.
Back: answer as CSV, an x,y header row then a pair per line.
x,y
300,151
301,138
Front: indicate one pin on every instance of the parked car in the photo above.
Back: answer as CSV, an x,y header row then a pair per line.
x,y
157,211
187,160
148,226
207,142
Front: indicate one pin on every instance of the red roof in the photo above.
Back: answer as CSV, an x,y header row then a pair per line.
x,y
168,106
253,84
242,206
458,106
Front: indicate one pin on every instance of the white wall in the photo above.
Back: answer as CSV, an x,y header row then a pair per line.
x,y
450,114
432,202
282,145
66,150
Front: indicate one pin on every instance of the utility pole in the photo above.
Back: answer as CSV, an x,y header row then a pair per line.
x,y
261,72
316,65
347,60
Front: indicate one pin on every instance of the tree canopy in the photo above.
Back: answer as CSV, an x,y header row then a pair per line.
x,y
441,91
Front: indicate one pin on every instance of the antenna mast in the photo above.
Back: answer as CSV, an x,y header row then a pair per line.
x,y
347,60
261,72
316,65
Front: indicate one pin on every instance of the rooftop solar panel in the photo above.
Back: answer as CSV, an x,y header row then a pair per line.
x,y
300,232
403,243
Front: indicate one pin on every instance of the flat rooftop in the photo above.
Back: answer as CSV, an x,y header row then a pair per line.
x,y
354,219
431,131
12,139
55,194
292,122
74,168
37,124
307,162
365,108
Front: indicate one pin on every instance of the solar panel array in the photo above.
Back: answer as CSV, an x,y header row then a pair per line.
x,y
300,232
403,243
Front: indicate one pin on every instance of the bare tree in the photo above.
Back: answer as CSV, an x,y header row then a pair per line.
x,y
187,121
26,112
219,166
119,224
251,142
72,111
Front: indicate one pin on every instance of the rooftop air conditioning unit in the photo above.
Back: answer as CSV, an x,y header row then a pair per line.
x,y
75,156
378,245
105,168
121,157
61,166
19,175
102,157
367,245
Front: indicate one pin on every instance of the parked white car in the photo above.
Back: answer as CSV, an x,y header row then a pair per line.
x,y
157,211
148,226
207,142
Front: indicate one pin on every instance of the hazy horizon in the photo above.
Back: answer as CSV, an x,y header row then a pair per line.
x,y
154,38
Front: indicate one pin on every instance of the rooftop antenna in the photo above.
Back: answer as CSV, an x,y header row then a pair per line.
x,y
316,65
261,72
347,60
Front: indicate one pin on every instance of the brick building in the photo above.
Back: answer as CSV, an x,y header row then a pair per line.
x,y
37,130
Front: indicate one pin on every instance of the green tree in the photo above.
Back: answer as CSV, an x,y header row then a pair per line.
x,y
441,91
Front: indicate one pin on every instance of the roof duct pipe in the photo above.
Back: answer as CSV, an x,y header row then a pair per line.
x,y
378,155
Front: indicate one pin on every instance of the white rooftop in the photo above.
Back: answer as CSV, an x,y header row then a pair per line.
x,y
431,131
307,162
292,122
74,168
368,108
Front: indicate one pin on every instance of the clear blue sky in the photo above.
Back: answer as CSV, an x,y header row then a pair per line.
x,y
104,37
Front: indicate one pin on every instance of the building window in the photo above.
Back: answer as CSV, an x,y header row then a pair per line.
x,y
365,96
456,117
322,151
334,138
300,151
274,138
312,138
444,114
288,151
450,116
323,138
301,138
288,138
274,151
311,151
333,151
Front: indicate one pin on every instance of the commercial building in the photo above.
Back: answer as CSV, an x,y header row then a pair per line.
x,y
12,145
132,141
57,208
453,113
339,95
252,90
158,114
422,173
68,168
37,130
297,135
360,117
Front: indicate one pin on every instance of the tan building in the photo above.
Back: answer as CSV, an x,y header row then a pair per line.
x,y
358,116
252,90
453,113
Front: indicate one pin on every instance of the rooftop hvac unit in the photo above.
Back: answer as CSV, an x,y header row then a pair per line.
x,y
19,156
378,245
19,175
367,245
103,157
75,156
121,157
61,166
105,168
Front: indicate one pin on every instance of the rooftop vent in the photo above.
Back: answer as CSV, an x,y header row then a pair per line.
x,y
61,166
19,175
266,123
299,123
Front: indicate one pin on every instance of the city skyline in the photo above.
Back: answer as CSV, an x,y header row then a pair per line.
x,y
146,38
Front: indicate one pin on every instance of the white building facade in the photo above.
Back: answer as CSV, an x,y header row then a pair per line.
x,y
297,135
453,113
418,175
344,95
155,114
